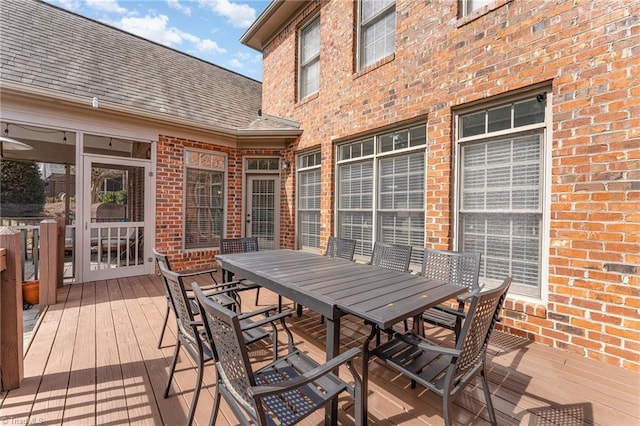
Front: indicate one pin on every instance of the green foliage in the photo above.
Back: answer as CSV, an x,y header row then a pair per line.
x,y
21,188
114,197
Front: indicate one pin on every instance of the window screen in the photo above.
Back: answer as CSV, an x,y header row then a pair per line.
x,y
309,193
392,210
204,199
309,81
377,30
501,207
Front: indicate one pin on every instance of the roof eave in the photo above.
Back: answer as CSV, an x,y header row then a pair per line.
x,y
9,87
278,13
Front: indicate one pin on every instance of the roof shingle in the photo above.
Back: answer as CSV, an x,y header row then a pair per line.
x,y
48,47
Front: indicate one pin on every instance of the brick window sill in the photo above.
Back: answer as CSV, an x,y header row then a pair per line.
x,y
526,307
375,65
307,100
480,12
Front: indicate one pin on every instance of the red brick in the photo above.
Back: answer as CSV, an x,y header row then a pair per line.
x,y
594,151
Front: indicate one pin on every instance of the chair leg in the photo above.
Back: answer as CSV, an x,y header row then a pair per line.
x,y
216,404
173,367
446,409
257,295
164,326
196,392
487,396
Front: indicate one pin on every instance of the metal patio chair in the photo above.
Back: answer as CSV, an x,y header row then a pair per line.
x,y
164,260
391,256
340,248
447,371
240,245
190,332
337,248
283,392
459,268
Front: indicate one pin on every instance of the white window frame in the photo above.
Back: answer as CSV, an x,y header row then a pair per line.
x,y
363,25
375,157
307,163
206,168
303,66
545,130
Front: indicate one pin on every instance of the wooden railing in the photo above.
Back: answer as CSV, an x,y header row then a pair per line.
x,y
11,366
11,321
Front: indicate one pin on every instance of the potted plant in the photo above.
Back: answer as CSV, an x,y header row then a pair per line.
x,y
31,292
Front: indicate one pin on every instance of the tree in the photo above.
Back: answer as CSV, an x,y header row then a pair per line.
x,y
21,188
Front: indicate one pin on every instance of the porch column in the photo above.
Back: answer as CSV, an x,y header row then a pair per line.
x,y
11,327
50,262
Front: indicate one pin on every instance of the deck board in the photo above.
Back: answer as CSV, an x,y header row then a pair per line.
x,y
94,360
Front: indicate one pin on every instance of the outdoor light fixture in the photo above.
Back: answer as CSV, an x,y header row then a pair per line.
x,y
286,164
11,144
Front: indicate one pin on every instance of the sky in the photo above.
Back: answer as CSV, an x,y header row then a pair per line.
x,y
207,29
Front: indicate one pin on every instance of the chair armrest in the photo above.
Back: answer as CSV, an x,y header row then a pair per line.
x,y
309,376
264,310
266,320
465,297
219,289
451,311
188,274
423,343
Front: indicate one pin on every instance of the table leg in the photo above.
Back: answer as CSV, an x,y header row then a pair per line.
x,y
365,376
333,349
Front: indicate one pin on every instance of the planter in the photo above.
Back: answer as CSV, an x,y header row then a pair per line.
x,y
31,292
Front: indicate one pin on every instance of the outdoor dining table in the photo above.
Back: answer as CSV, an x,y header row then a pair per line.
x,y
335,287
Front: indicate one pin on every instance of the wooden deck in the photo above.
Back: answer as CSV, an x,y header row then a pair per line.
x,y
94,360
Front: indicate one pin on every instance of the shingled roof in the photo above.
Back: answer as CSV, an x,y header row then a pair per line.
x,y
46,47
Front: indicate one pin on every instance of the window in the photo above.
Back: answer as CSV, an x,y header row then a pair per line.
x,y
500,190
309,200
465,7
309,73
204,199
381,187
377,31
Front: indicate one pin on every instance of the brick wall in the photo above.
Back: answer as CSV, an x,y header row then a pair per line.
x,y
587,52
170,200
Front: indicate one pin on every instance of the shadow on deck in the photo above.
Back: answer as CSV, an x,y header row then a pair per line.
x,y
94,360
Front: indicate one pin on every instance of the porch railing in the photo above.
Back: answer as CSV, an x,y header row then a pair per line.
x,y
30,242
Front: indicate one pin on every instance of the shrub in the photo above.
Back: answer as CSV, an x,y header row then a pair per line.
x,y
21,188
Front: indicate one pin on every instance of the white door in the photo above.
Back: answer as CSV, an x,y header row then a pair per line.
x,y
116,240
263,210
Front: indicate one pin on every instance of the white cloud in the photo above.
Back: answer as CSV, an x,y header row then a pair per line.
x,y
248,56
68,4
209,46
154,28
175,4
239,15
236,63
106,5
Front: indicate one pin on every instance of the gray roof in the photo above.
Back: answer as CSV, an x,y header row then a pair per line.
x,y
50,48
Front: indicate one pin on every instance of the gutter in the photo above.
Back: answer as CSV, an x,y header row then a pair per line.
x,y
8,87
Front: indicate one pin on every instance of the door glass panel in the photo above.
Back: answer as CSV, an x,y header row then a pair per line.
x,y
117,216
263,203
